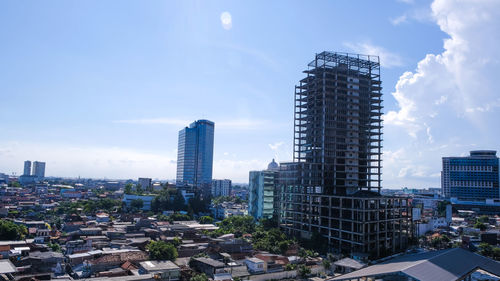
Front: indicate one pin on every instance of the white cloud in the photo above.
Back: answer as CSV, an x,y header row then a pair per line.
x,y
399,20
237,170
387,58
276,145
226,20
88,161
451,94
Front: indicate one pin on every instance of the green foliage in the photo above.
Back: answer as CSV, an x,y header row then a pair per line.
x,y
206,220
88,206
303,271
176,241
485,249
273,240
15,184
128,188
327,264
11,231
269,223
179,203
180,217
238,225
441,208
480,225
483,219
137,204
199,277
290,267
199,205
160,250
55,247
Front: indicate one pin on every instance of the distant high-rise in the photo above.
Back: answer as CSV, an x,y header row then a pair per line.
x,y
471,177
221,187
27,168
145,183
263,196
195,154
332,189
39,169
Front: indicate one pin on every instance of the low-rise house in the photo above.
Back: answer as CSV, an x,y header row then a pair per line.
x,y
208,266
42,261
115,258
90,231
255,265
164,270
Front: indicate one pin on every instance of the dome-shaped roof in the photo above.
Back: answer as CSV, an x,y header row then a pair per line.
x,y
273,166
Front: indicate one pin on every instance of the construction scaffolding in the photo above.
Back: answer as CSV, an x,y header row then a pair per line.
x,y
338,125
333,185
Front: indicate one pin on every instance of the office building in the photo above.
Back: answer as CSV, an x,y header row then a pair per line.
x,y
332,188
195,155
145,183
27,168
471,177
262,185
38,169
221,188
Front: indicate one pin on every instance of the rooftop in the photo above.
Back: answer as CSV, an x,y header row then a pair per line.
x,y
158,265
7,267
450,264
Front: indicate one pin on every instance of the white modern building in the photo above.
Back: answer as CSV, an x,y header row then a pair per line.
x,y
262,192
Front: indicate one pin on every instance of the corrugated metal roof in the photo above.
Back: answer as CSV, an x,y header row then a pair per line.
x,y
452,264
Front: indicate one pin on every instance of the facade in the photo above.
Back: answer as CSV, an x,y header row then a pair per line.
x,y
146,200
145,183
473,177
262,192
332,188
195,154
38,169
27,168
221,188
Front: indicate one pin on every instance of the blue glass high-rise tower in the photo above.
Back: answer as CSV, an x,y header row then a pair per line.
x,y
195,154
471,177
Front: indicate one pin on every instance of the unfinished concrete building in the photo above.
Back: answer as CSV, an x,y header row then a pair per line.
x,y
333,185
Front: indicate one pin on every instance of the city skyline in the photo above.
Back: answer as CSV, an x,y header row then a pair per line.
x,y
109,97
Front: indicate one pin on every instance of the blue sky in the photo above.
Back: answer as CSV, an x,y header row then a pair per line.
x,y
101,88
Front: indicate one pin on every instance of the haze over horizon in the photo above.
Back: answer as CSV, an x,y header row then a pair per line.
x,y
100,90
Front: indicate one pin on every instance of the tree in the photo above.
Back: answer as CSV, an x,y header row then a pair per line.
x,y
199,277
176,241
15,184
160,250
480,225
11,231
137,204
303,271
128,188
55,247
496,253
485,249
206,220
179,203
327,265
138,189
483,219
